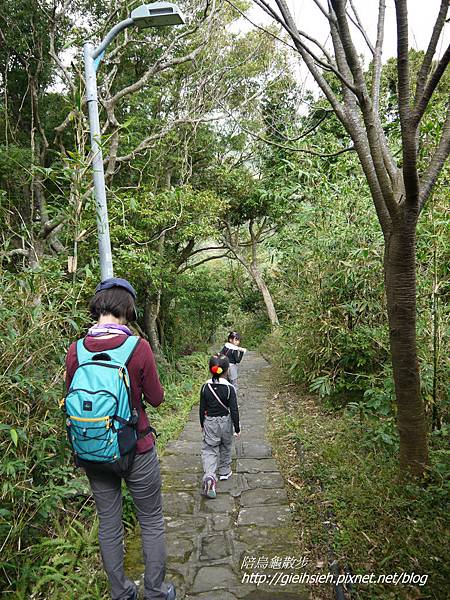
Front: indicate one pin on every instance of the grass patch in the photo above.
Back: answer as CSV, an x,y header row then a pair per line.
x,y
381,525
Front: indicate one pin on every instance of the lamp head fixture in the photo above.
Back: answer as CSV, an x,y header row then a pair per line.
x,y
157,14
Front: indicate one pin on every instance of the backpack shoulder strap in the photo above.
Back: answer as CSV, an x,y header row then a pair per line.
x,y
123,353
218,399
120,355
132,345
83,354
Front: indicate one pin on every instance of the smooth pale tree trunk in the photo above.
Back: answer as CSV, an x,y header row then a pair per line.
x,y
262,287
400,285
253,270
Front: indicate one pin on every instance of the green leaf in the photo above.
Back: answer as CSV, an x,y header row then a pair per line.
x,y
14,436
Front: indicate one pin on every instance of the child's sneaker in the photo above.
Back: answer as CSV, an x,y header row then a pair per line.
x,y
227,476
209,487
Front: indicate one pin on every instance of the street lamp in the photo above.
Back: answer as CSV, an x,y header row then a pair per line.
x,y
156,14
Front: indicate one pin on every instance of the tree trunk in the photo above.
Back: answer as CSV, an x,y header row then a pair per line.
x,y
151,310
400,283
262,287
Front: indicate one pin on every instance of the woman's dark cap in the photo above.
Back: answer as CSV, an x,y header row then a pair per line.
x,y
116,282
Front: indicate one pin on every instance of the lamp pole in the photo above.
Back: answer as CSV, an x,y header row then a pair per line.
x,y
148,15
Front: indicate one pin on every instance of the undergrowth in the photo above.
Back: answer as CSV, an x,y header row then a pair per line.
x,y
347,498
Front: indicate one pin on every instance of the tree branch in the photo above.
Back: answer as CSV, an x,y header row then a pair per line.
x,y
377,56
296,36
283,146
327,14
51,226
382,159
431,86
270,33
201,262
55,57
351,55
290,26
428,58
205,250
408,128
146,143
15,252
437,162
359,25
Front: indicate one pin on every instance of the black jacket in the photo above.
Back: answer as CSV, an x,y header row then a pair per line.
x,y
233,353
209,406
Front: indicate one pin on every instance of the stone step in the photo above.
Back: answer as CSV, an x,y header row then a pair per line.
x,y
209,540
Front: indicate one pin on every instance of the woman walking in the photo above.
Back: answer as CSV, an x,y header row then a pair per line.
x,y
113,306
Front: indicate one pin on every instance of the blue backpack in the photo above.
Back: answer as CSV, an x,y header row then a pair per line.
x,y
101,421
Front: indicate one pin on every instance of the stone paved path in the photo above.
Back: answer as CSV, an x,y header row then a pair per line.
x,y
207,540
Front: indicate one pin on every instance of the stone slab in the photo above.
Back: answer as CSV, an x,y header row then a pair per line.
x,y
220,522
221,504
178,503
254,450
181,481
184,524
255,540
252,432
209,579
267,516
218,595
256,465
261,497
264,480
273,594
233,486
258,535
178,548
254,417
214,547
180,464
191,435
186,448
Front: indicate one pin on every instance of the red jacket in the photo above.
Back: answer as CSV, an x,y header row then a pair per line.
x,y
143,378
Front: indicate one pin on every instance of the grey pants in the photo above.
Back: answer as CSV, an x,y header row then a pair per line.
x,y
217,445
233,376
144,483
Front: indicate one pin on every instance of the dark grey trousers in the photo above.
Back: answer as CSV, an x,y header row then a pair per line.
x,y
217,446
233,376
144,483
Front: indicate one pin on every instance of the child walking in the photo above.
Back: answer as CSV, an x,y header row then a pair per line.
x,y
219,414
234,354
